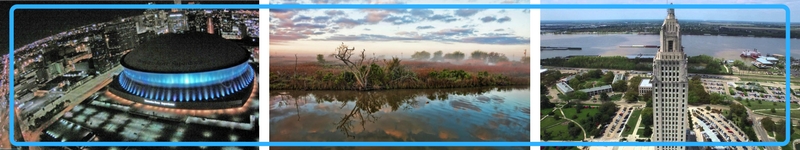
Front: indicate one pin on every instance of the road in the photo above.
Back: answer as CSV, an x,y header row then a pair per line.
x,y
76,96
736,78
760,131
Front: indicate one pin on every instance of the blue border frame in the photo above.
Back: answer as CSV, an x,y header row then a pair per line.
x,y
396,6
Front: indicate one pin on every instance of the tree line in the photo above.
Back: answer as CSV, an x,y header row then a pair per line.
x,y
703,64
365,73
490,57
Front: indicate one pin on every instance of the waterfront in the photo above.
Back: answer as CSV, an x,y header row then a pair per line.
x,y
464,114
727,47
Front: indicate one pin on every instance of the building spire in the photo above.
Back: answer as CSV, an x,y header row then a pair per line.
x,y
671,12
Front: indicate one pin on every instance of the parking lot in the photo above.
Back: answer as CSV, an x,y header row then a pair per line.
x,y
618,123
724,129
715,86
773,94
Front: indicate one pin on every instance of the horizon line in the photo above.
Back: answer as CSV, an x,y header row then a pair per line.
x,y
663,19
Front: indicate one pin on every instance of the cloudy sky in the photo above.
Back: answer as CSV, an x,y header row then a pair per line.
x,y
400,32
760,15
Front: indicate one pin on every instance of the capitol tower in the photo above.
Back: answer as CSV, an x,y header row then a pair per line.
x,y
670,87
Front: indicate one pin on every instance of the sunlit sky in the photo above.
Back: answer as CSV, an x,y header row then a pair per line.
x,y
400,31
758,15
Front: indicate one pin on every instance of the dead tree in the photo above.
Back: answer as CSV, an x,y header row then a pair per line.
x,y
343,53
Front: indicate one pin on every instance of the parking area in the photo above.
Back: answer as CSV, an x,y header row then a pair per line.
x,y
715,86
723,129
761,92
618,123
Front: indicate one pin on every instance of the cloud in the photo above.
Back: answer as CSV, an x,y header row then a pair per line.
x,y
331,12
282,14
421,12
424,27
508,2
467,12
443,18
497,40
398,20
321,19
309,26
302,18
488,19
375,17
452,32
368,25
348,23
504,19
404,33
329,1
382,2
284,36
372,37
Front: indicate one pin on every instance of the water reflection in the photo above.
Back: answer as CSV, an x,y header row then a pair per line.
x,y
467,114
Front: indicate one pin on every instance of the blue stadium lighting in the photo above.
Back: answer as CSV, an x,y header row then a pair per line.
x,y
186,79
202,86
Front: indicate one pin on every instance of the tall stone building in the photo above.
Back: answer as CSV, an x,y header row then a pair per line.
x,y
670,86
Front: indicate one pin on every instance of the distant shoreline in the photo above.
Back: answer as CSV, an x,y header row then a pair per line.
x,y
629,33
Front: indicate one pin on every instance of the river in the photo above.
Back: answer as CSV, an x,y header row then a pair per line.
x,y
464,114
728,47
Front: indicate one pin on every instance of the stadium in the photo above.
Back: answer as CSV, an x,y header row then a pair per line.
x,y
186,71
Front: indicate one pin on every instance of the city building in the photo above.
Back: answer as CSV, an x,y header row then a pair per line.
x,y
645,86
764,61
542,70
670,86
597,90
564,87
177,22
190,70
125,34
618,77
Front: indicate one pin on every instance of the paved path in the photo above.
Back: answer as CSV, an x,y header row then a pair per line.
x,y
565,117
573,121
636,129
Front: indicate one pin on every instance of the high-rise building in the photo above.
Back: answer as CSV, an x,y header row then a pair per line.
x,y
177,22
125,34
670,86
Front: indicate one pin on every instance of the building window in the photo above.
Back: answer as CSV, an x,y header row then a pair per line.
x,y
669,43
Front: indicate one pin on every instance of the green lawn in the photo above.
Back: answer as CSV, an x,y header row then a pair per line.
x,y
549,121
754,105
544,112
789,146
569,112
795,137
562,148
616,97
560,133
640,132
632,123
779,112
558,128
